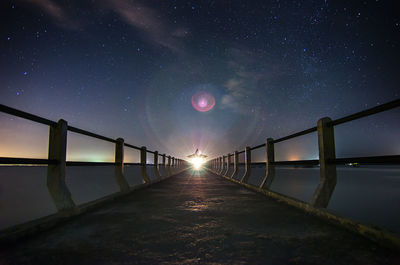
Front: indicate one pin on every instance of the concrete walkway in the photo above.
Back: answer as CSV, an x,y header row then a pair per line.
x,y
196,219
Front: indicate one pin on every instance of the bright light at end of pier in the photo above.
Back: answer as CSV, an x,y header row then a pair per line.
x,y
197,162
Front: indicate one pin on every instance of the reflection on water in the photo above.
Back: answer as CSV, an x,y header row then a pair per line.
x,y
24,195
369,194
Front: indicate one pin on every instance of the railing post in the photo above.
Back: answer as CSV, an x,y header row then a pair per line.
x,y
247,161
228,164
221,172
169,166
235,164
269,167
163,166
56,173
119,166
221,165
326,146
143,162
156,169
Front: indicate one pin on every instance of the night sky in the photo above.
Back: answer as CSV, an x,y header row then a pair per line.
x,y
255,69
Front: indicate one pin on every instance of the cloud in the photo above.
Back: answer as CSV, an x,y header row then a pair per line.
x,y
155,29
252,75
56,12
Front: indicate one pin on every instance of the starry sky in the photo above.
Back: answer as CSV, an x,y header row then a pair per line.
x,y
129,68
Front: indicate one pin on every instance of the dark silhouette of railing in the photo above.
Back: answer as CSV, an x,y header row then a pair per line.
x,y
56,161
327,162
327,157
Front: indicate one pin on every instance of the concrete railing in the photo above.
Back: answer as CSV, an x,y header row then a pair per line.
x,y
56,170
327,163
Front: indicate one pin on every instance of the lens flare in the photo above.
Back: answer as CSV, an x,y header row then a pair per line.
x,y
197,162
203,101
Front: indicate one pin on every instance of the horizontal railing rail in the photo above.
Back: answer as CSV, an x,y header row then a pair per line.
x,y
26,115
44,121
327,163
375,110
26,161
57,163
327,156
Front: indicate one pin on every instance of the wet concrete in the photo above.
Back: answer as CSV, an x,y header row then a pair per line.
x,y
196,219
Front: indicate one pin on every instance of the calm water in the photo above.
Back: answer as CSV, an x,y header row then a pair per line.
x,y
367,194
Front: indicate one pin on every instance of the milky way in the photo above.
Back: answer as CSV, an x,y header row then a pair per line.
x,y
129,69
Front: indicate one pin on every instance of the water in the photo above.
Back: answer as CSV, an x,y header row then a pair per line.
x,y
24,195
369,194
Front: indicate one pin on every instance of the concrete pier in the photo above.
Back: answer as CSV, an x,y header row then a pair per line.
x,y
196,218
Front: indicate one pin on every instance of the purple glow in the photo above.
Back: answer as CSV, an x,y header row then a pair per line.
x,y
203,101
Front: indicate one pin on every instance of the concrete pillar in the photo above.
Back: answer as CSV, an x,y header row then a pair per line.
x,y
222,171
269,167
235,164
156,167
169,166
119,166
327,181
56,173
143,162
228,164
247,164
163,166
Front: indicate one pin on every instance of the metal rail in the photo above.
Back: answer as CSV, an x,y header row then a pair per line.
x,y
381,108
26,115
90,134
301,133
368,160
26,161
44,121
382,160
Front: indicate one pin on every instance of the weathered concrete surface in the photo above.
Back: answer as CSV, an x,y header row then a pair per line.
x,y
193,219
